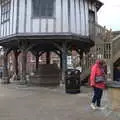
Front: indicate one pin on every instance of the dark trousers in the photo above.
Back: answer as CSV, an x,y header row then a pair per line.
x,y
98,92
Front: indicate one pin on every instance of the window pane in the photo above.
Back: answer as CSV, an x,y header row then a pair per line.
x,y
43,8
5,10
1,19
91,16
50,8
36,8
7,16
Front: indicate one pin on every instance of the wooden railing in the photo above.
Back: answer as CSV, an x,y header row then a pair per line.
x,y
96,31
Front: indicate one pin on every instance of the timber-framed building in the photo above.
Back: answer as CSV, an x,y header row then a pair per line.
x,y
47,26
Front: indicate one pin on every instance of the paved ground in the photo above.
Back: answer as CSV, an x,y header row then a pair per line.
x,y
37,103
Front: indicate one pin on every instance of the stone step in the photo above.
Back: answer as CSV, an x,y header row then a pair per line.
x,y
46,75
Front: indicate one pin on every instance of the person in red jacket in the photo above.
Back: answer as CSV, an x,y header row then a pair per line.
x,y
97,70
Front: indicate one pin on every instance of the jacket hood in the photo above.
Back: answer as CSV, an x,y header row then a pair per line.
x,y
99,62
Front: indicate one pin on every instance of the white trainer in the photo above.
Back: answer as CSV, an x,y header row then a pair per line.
x,y
93,106
100,108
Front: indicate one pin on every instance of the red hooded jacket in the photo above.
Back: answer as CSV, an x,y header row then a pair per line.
x,y
97,70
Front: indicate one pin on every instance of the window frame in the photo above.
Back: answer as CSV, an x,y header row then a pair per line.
x,y
43,17
92,14
5,10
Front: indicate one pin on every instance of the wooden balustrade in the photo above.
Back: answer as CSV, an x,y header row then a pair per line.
x,y
95,30
99,32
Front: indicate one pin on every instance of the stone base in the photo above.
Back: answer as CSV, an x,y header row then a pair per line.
x,y
22,82
47,75
5,80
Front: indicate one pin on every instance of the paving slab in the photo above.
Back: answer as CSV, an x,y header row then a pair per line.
x,y
20,102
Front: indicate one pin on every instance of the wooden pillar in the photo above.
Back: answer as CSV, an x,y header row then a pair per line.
x,y
48,58
37,54
61,61
5,76
81,54
16,53
24,46
60,56
64,61
37,61
16,65
23,65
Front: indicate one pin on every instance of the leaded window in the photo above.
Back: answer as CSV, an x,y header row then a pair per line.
x,y
91,16
5,10
43,8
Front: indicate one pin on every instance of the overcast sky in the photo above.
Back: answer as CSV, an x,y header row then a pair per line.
x,y
109,14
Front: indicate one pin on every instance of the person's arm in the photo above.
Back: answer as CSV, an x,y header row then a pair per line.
x,y
92,77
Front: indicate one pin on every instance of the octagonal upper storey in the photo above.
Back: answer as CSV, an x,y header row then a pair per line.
x,y
47,16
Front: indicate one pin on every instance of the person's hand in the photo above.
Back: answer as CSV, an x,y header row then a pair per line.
x,y
92,85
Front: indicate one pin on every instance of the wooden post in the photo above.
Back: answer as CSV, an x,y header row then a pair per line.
x,y
48,58
16,64
37,61
5,77
61,61
37,54
16,53
23,65
64,61
81,57
23,45
60,55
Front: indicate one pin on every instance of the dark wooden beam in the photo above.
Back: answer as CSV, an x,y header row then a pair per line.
x,y
47,57
5,77
57,52
56,45
61,61
23,65
41,53
16,54
24,49
35,52
64,60
37,62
